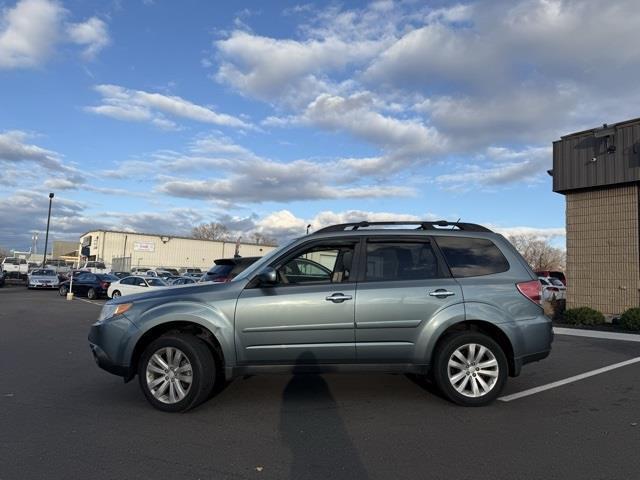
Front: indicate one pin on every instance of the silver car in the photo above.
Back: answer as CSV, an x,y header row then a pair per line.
x,y
43,278
452,301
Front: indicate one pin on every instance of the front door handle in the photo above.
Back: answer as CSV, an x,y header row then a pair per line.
x,y
338,298
441,293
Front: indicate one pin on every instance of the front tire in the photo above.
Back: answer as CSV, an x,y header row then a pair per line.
x,y
177,372
470,368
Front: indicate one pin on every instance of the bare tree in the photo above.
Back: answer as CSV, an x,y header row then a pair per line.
x,y
540,254
262,239
4,253
211,231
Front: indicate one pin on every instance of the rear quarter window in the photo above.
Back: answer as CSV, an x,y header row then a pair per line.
x,y
472,257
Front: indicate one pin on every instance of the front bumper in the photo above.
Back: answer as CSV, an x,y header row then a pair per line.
x,y
44,285
111,345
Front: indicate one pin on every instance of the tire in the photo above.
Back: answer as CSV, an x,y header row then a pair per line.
x,y
116,294
493,375
92,294
203,373
63,290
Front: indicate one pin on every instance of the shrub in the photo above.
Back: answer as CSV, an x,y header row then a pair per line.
x,y
631,319
583,316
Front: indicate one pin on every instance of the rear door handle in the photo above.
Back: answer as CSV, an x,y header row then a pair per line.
x,y
338,298
441,293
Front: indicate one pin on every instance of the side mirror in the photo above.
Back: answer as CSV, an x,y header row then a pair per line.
x,y
267,276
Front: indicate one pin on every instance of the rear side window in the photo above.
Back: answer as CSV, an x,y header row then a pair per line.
x,y
472,257
401,261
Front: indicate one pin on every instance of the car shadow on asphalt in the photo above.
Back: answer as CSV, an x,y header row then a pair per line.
x,y
312,429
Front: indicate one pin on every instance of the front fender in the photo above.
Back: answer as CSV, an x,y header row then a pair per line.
x,y
217,319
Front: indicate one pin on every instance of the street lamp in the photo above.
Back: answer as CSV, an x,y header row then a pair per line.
x,y
46,238
308,227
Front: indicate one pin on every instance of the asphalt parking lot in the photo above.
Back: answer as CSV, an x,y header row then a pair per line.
x,y
62,417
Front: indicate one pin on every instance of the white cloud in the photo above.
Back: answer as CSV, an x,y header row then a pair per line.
x,y
399,138
92,34
546,234
500,166
32,31
29,32
15,149
137,105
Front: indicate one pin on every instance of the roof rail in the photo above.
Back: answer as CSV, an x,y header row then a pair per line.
x,y
422,225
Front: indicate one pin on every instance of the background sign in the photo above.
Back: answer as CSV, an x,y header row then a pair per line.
x,y
144,246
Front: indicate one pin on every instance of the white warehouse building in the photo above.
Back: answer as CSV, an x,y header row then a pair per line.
x,y
126,250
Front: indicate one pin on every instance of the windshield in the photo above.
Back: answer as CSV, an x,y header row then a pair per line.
x,y
556,282
44,273
255,267
156,282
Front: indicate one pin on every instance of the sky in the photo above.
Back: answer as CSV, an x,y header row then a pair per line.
x,y
155,116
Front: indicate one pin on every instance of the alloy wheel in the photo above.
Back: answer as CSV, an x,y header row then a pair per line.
x,y
473,370
169,375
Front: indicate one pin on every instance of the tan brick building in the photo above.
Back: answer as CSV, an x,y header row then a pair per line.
x,y
598,171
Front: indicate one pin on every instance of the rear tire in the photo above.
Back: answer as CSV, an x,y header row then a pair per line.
x,y
63,290
116,294
470,368
91,294
194,352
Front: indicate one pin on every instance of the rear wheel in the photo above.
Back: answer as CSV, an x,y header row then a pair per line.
x,y
177,372
63,290
92,294
116,294
470,368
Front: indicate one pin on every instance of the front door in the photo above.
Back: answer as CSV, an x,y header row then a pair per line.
x,y
404,284
308,316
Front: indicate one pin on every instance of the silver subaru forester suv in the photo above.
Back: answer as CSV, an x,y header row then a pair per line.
x,y
451,301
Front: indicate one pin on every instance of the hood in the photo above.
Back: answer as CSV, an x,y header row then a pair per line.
x,y
174,292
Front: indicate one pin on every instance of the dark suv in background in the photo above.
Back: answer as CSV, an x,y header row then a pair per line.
x,y
226,269
455,302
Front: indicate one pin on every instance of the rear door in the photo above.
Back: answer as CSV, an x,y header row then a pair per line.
x,y
403,284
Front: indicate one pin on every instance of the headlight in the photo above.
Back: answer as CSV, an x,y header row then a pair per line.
x,y
109,311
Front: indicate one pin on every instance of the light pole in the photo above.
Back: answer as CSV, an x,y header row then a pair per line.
x,y
308,227
46,238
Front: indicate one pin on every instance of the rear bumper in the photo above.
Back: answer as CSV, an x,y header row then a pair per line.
x,y
536,337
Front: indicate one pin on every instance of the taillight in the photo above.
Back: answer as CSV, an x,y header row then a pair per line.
x,y
554,289
104,285
532,290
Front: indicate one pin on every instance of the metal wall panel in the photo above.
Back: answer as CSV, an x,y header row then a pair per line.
x,y
573,165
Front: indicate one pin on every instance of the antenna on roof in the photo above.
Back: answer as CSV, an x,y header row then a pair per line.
x,y
456,224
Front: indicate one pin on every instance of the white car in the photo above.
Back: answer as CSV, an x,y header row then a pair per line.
x,y
134,284
552,289
43,278
95,267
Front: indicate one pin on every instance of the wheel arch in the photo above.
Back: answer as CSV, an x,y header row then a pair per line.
x,y
492,330
177,326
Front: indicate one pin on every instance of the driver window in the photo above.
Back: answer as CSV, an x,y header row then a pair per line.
x,y
318,264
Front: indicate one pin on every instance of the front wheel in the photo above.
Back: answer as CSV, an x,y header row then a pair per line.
x,y
63,290
177,372
470,368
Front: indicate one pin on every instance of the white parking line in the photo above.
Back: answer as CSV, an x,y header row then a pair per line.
x,y
628,337
88,301
559,383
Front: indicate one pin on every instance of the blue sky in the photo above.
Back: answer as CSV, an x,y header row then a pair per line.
x,y
156,116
